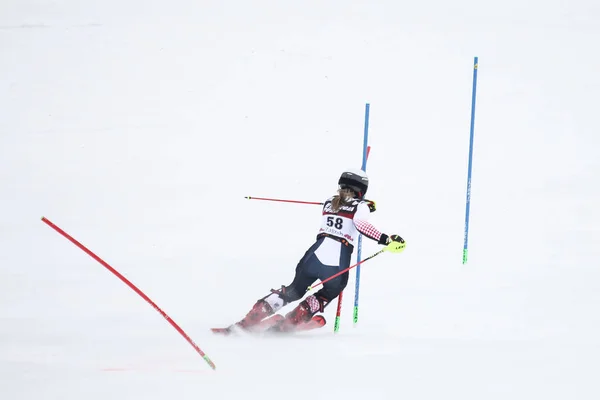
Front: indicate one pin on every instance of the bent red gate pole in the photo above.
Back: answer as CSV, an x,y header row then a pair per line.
x,y
134,288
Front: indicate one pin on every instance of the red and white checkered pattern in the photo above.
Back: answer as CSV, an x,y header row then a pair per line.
x,y
313,303
367,229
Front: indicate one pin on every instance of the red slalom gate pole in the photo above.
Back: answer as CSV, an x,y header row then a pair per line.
x,y
135,289
284,201
338,313
346,270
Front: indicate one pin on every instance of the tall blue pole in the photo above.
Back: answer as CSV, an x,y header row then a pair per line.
x,y
468,206
359,251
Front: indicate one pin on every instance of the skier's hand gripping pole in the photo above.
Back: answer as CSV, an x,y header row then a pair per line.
x,y
393,247
396,244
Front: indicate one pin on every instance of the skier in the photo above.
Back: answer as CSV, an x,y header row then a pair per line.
x,y
344,216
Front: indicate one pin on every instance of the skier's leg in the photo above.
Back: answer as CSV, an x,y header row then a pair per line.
x,y
317,302
315,268
277,299
331,289
293,292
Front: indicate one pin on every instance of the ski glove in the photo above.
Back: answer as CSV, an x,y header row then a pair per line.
x,y
385,239
371,205
397,238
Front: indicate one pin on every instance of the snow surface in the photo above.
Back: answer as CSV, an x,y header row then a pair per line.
x,y
139,127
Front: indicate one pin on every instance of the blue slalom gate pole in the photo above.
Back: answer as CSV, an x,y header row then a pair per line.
x,y
366,148
359,247
468,206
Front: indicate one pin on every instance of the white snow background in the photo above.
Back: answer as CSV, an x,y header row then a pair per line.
x,y
139,127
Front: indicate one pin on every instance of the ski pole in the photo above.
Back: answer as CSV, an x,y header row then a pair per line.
x,y
284,201
133,287
346,270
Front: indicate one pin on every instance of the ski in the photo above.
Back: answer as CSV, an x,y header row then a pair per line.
x,y
260,327
280,328
318,321
269,325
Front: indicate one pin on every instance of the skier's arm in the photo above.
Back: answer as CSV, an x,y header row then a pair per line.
x,y
365,227
369,230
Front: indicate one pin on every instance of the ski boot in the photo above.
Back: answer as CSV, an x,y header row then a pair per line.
x,y
252,320
302,314
259,311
